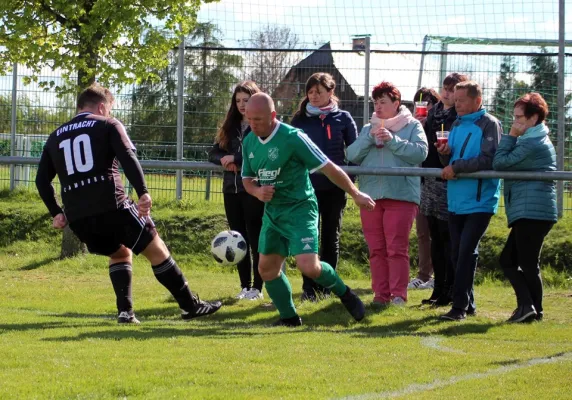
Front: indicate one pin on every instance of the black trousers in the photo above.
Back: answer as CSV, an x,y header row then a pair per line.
x,y
331,204
466,232
522,249
443,270
244,214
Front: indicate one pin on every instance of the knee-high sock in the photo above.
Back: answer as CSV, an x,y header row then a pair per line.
x,y
170,276
121,274
280,292
330,279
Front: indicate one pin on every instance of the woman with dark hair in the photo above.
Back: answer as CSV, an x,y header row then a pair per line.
x,y
530,205
332,130
393,139
243,211
423,279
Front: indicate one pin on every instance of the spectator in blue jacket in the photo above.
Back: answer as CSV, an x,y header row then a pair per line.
x,y
332,130
434,195
530,205
243,211
472,144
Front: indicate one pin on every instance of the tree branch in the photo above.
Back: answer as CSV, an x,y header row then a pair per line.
x,y
62,20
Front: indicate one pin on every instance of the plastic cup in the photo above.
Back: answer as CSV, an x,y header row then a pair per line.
x,y
421,108
442,137
378,142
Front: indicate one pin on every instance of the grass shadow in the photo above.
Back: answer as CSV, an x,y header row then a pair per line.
x,y
38,264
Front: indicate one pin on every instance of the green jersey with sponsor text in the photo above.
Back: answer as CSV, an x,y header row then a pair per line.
x,y
284,159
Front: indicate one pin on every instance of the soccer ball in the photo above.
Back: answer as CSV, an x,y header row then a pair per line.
x,y
228,247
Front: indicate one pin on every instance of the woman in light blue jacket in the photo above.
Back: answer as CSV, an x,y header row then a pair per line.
x,y
393,139
530,205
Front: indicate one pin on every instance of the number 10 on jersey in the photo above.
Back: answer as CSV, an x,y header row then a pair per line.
x,y
82,157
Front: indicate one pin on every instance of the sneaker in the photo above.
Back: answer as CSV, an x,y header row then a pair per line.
x,y
415,283
430,284
523,314
291,322
398,301
254,294
242,294
540,316
471,312
454,315
353,304
201,308
127,318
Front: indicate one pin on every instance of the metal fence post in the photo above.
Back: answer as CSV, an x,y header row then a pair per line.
x,y
13,123
443,66
208,186
180,114
422,63
366,83
561,110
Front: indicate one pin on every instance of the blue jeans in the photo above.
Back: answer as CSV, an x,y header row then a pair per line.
x,y
466,232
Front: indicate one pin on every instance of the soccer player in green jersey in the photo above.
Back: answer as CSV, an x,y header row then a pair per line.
x,y
276,164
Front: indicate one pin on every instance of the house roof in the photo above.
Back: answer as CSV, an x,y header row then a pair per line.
x,y
400,69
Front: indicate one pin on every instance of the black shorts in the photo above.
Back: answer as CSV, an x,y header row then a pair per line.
x,y
105,233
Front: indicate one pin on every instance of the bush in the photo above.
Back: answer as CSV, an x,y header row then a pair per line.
x,y
188,228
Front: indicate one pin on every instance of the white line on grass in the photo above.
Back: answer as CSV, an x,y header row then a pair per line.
x,y
435,343
417,388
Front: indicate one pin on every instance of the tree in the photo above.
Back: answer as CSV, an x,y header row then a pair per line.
x,y
154,105
544,70
115,41
507,91
209,75
268,65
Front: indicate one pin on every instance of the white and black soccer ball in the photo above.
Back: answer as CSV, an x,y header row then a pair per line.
x,y
228,247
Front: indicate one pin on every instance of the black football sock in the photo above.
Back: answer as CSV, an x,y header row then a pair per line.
x,y
171,276
121,274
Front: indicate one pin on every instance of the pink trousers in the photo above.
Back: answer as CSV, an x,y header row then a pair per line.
x,y
386,230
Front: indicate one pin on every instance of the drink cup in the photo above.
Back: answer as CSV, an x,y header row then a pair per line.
x,y
442,137
421,108
378,142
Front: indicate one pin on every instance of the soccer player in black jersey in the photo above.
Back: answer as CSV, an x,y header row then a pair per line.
x,y
85,154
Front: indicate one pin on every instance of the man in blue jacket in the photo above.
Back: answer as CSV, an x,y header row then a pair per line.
x,y
471,147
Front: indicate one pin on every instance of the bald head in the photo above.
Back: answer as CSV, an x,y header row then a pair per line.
x,y
261,114
261,101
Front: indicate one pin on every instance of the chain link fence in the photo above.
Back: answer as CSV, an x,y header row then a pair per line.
x,y
149,110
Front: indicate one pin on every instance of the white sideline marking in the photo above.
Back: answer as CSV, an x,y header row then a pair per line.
x,y
417,388
435,343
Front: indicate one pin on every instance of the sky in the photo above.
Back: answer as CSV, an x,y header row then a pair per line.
x,y
403,24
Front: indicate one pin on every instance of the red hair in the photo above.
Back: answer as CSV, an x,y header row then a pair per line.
x,y
533,103
386,88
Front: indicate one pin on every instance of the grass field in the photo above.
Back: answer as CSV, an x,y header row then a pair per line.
x,y
59,340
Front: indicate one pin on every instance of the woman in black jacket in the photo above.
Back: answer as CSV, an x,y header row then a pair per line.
x,y
434,195
332,130
243,211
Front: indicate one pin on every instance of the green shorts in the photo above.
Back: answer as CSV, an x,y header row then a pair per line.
x,y
290,230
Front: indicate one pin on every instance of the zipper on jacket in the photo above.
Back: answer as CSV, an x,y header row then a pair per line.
x,y
240,137
479,188
465,145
